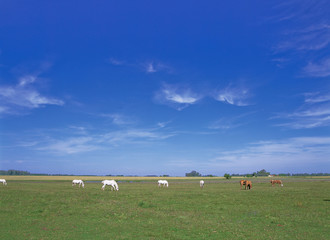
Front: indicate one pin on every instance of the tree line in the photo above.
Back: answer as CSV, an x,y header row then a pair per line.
x,y
14,172
261,173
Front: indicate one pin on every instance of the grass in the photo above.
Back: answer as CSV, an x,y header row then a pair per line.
x,y
141,210
100,178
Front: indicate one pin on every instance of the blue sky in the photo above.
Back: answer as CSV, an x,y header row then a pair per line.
x,y
165,87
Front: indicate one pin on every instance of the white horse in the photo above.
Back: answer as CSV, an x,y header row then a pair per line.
x,y
80,182
162,183
201,183
112,183
3,181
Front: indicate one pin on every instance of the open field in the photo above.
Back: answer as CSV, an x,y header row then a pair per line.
x,y
38,207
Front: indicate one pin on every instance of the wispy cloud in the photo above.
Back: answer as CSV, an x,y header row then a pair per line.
x,y
234,96
145,66
85,141
181,96
178,97
24,96
153,67
116,62
71,145
307,24
316,97
305,123
163,124
230,122
314,37
305,34
281,62
290,154
134,136
118,119
315,112
150,68
321,69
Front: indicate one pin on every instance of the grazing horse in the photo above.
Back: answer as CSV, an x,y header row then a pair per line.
x,y
79,182
242,182
273,182
162,183
246,183
112,183
201,183
3,181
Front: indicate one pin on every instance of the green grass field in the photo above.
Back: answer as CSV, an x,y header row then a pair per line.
x,y
52,209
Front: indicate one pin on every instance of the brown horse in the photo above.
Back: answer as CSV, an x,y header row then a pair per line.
x,y
242,183
246,183
273,182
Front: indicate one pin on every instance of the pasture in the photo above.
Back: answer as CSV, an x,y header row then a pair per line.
x,y
50,208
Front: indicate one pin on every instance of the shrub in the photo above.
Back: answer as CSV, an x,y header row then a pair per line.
x,y
227,176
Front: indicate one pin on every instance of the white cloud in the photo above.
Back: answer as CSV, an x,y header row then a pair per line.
x,y
152,67
305,123
134,136
306,34
316,97
26,80
71,145
183,97
233,96
163,124
312,38
82,141
290,154
180,97
119,119
145,66
177,97
312,17
116,62
22,96
230,122
321,69
314,113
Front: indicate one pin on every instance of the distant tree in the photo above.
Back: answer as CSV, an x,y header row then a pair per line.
x,y
14,172
227,176
209,175
193,174
262,173
238,175
284,174
165,175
